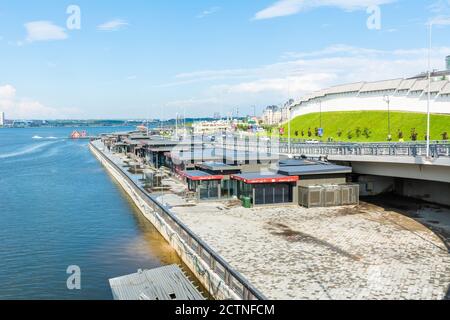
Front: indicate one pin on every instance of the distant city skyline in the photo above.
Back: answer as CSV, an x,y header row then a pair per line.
x,y
142,59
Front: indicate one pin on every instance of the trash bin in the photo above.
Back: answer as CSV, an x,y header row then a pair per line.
x,y
247,202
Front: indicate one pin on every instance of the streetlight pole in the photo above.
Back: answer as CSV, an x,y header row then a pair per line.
x,y
429,91
388,101
289,120
320,109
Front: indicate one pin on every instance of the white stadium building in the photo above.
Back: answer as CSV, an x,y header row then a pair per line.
x,y
409,95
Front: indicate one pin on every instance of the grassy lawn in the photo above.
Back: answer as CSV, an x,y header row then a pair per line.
x,y
368,126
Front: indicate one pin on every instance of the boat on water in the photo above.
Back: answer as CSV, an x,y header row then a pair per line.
x,y
79,135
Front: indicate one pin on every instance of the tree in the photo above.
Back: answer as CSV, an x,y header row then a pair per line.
x,y
444,136
339,133
350,135
309,132
414,134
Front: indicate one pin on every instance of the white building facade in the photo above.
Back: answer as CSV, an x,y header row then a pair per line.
x,y
408,95
2,119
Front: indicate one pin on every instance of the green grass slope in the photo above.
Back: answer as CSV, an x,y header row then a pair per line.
x,y
368,126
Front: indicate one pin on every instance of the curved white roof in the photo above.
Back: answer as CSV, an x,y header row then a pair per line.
x,y
381,85
446,89
412,85
345,88
407,84
420,85
436,86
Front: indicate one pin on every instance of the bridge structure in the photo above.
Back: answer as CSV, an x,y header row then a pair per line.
x,y
400,153
400,167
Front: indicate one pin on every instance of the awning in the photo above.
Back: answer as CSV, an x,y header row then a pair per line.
x,y
258,178
197,175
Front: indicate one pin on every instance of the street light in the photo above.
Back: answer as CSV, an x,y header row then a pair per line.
x,y
429,91
387,99
320,110
289,106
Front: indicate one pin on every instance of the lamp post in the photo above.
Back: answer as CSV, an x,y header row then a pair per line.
x,y
289,113
429,90
388,101
320,110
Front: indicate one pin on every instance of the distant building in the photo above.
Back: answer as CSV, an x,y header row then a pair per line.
x,y
272,115
2,119
447,62
212,127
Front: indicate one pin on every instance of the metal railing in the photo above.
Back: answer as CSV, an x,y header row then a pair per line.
x,y
437,149
407,150
234,280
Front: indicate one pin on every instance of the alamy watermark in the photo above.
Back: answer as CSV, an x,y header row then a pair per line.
x,y
73,22
374,19
74,280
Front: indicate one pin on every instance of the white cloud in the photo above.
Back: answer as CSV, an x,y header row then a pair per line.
x,y
24,108
44,31
303,72
440,21
283,8
113,25
208,12
440,7
283,86
7,92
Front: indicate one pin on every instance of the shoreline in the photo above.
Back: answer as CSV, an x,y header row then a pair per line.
x,y
218,285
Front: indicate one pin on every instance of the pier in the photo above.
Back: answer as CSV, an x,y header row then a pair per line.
x,y
166,283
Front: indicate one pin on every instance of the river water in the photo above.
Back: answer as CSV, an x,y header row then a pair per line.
x,y
58,208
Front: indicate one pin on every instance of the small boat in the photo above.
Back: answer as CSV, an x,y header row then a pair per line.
x,y
78,135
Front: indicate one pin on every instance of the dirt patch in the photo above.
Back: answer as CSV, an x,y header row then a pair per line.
x,y
281,230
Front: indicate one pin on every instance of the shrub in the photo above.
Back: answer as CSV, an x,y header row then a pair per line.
x,y
367,133
350,135
444,136
358,132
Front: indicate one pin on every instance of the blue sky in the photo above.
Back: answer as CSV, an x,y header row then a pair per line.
x,y
140,58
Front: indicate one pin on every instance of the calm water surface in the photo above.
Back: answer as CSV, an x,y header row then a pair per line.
x,y
59,207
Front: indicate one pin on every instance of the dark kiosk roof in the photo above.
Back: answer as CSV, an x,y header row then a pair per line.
x,y
198,175
317,169
217,166
296,162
